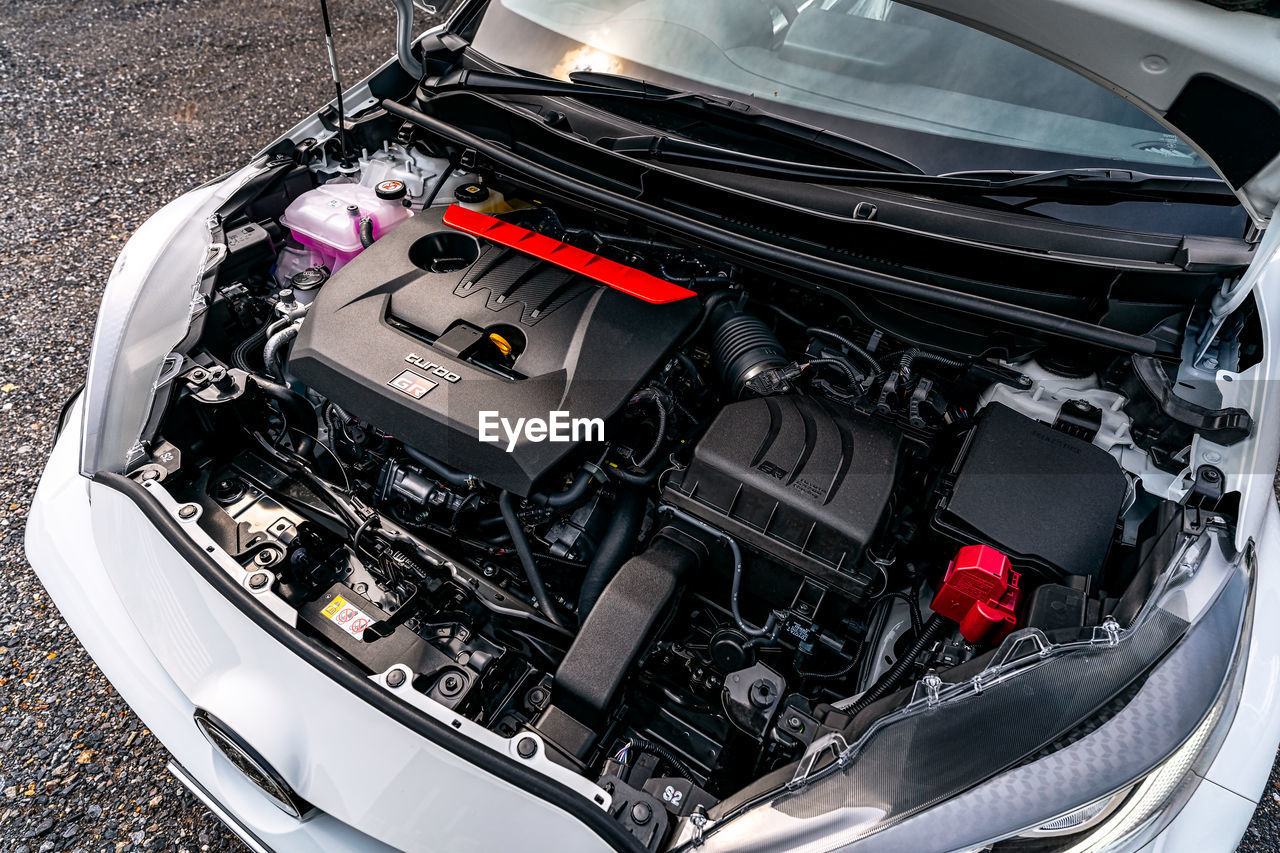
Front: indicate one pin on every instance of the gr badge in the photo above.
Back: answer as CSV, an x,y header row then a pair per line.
x,y
408,382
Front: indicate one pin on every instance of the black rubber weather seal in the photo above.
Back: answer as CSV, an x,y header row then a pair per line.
x,y
1224,426
353,679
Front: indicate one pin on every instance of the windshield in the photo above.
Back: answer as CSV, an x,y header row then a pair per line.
x,y
936,92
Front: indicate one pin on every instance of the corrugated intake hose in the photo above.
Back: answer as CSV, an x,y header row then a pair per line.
x,y
743,346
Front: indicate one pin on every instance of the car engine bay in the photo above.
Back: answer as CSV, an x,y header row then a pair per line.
x,y
652,515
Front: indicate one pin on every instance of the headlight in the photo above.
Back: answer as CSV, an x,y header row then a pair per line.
x,y
150,299
1126,819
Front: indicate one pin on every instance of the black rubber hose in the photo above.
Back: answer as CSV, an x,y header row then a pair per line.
x,y
254,343
708,307
525,553
444,472
440,182
933,629
743,346
676,762
615,546
569,496
647,478
298,412
846,343
366,231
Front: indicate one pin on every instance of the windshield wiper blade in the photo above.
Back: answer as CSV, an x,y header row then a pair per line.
x,y
617,87
1206,190
1073,185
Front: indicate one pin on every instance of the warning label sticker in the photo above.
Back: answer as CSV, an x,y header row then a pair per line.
x,y
348,617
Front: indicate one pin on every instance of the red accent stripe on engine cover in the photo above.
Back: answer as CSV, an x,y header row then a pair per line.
x,y
629,280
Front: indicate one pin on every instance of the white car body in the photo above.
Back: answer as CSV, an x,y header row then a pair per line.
x,y
392,777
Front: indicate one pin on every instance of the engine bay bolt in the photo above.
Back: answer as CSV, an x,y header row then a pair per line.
x,y
395,678
227,490
258,580
527,747
266,557
450,685
795,724
763,693
641,813
187,511
536,697
222,379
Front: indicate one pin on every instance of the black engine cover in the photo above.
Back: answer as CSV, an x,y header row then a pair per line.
x,y
414,311
797,479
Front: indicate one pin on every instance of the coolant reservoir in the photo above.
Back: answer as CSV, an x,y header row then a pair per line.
x,y
327,219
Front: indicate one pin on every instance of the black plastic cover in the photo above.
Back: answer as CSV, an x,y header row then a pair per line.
x,y
796,478
1045,498
415,311
620,623
401,646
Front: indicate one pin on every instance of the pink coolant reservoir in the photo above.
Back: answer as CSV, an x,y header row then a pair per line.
x,y
323,218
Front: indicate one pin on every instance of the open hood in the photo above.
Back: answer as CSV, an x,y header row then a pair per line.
x,y
1207,69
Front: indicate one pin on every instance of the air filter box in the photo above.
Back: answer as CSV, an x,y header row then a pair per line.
x,y
797,479
1047,499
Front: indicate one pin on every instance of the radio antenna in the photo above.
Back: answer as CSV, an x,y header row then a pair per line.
x,y
337,80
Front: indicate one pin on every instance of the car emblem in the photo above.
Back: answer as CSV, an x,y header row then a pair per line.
x,y
413,384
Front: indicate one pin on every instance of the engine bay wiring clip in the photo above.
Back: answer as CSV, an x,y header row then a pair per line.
x,y
832,742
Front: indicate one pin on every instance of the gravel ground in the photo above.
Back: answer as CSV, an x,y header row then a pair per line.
x,y
112,108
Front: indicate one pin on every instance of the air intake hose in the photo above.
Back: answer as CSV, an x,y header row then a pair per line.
x,y
743,346
618,541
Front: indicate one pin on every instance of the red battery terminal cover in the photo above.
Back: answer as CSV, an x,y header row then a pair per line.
x,y
979,591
